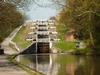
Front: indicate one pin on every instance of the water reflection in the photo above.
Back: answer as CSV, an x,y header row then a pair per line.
x,y
62,64
41,63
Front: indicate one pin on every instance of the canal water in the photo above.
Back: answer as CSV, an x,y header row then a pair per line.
x,y
61,64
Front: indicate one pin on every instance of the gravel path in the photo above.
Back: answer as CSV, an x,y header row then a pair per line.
x,y
5,43
7,68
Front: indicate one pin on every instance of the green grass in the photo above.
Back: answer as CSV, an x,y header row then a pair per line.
x,y
62,44
65,46
19,39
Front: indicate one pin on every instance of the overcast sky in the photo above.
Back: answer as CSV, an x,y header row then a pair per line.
x,y
40,12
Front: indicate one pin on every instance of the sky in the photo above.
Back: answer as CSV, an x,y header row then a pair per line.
x,y
36,12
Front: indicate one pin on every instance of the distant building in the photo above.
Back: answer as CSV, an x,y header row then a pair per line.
x,y
70,36
52,18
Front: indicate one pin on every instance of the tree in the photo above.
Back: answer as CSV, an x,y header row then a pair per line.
x,y
10,18
23,4
84,17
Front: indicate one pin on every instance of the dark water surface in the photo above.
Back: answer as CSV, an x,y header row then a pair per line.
x,y
62,64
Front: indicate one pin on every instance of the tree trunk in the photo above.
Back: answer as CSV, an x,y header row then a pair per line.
x,y
91,39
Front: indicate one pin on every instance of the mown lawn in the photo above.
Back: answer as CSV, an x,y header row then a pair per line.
x,y
65,46
19,39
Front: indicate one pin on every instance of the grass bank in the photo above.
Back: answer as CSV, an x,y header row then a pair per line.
x,y
65,46
19,39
